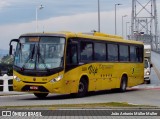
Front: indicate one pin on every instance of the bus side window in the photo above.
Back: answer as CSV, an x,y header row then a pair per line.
x,y
99,51
132,54
123,51
86,51
139,53
112,50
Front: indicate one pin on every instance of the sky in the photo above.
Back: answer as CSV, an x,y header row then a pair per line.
x,y
19,16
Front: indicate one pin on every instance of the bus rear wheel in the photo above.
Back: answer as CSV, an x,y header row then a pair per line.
x,y
123,84
41,95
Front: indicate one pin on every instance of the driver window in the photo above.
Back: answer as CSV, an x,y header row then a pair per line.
x,y
72,54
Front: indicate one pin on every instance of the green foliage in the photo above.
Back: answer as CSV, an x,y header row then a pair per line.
x,y
6,65
0,72
6,69
7,60
10,71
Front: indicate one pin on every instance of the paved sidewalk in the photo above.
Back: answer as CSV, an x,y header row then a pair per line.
x,y
12,93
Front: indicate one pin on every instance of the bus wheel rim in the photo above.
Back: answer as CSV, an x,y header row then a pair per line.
x,y
81,87
123,85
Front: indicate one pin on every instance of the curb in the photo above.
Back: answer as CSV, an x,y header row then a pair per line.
x,y
12,93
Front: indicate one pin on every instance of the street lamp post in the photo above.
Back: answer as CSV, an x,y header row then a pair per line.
x,y
126,28
115,18
122,24
38,8
98,16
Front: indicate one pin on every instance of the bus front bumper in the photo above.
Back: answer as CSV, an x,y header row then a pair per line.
x,y
60,87
40,88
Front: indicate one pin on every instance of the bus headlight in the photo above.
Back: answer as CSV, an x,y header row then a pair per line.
x,y
16,78
57,79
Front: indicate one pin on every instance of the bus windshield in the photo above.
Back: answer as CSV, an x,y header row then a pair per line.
x,y
39,53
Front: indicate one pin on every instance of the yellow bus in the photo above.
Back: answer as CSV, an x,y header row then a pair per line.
x,y
75,63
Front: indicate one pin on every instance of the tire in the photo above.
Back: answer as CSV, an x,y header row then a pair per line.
x,y
123,84
149,81
82,88
41,95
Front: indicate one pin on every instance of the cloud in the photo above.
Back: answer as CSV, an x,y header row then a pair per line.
x,y
4,3
76,23
84,22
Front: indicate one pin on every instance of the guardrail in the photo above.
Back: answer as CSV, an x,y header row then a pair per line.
x,y
6,83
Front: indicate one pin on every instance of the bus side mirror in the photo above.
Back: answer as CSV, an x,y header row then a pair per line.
x,y
10,50
151,65
11,47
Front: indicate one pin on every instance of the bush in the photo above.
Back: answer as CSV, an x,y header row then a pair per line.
x,y
0,72
10,71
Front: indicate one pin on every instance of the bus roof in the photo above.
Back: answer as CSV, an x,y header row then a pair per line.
x,y
93,35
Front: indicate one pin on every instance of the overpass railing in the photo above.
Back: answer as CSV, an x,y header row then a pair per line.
x,y
6,83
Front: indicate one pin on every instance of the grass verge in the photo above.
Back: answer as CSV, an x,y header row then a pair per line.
x,y
81,106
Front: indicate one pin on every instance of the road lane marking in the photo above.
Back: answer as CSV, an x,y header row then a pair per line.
x,y
157,72
147,87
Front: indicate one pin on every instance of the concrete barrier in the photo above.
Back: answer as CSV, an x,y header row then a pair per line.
x,y
6,83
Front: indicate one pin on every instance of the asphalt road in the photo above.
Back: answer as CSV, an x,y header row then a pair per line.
x,y
146,94
155,58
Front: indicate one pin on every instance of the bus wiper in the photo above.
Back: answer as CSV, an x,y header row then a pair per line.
x,y
30,57
40,56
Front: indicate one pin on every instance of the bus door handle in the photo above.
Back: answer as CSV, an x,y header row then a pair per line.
x,y
133,71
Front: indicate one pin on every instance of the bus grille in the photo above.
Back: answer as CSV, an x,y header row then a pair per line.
x,y
35,82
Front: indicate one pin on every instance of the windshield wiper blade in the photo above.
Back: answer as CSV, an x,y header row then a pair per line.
x,y
40,56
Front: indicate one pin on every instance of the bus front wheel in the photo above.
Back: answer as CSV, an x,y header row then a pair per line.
x,y
40,95
82,88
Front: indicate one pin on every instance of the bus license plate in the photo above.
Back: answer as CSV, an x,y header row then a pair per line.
x,y
34,87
